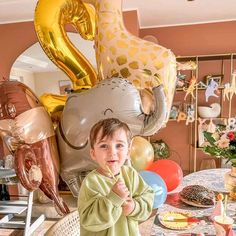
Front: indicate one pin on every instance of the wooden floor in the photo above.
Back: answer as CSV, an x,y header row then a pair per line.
x,y
40,231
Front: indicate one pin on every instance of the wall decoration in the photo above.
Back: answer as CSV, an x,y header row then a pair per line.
x,y
65,86
217,78
189,109
209,112
190,112
191,87
230,88
180,80
175,109
201,128
212,87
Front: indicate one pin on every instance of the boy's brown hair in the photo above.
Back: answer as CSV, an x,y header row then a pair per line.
x,y
108,127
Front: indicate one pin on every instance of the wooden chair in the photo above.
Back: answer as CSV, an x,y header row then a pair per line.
x,y
68,225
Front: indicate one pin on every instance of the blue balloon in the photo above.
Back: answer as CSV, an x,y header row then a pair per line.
x,y
158,185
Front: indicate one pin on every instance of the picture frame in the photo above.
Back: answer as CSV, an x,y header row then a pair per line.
x,y
217,78
174,112
64,86
189,109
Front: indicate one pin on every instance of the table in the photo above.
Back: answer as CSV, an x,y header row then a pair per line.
x,y
210,178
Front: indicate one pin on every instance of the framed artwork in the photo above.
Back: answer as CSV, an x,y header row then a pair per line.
x,y
65,86
189,109
216,78
175,109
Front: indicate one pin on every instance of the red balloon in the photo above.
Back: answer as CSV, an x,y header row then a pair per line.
x,y
170,172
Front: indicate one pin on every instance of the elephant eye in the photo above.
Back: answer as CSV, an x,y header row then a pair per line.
x,y
107,110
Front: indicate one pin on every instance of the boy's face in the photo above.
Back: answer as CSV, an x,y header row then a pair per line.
x,y
110,151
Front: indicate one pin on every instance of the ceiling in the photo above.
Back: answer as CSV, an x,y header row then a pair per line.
x,y
151,13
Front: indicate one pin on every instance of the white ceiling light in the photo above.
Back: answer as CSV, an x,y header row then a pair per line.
x,y
151,38
32,61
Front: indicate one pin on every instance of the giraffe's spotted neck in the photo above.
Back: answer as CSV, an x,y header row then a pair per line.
x,y
108,6
109,15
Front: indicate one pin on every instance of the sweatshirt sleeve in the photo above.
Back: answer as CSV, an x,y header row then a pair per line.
x,y
98,212
143,196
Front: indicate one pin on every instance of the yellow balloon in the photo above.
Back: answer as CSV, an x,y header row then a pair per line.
x,y
120,53
141,153
51,16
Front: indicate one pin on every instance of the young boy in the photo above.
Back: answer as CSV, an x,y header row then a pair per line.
x,y
113,198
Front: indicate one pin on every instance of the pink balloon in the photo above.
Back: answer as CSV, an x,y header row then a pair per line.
x,y
170,172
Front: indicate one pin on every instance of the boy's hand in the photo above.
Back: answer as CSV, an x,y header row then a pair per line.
x,y
120,189
128,206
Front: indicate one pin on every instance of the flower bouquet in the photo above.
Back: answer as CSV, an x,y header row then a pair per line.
x,y
221,144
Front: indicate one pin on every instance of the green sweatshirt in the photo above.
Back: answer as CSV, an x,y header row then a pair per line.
x,y
100,208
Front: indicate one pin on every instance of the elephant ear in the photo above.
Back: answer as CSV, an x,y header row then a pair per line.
x,y
148,102
27,168
75,122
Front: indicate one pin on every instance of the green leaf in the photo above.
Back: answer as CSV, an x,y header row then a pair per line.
x,y
209,137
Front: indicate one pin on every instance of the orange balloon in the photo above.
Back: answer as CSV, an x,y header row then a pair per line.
x,y
142,153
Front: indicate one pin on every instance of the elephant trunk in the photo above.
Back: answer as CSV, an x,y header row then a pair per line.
x,y
27,168
154,121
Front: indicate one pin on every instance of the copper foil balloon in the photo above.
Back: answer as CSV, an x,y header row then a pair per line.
x,y
51,16
120,53
114,97
27,131
141,153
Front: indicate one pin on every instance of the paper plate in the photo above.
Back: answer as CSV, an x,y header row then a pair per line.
x,y
176,220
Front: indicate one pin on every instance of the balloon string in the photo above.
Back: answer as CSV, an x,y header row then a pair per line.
x,y
110,172
113,177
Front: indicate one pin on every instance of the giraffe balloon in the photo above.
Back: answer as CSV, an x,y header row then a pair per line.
x,y
119,53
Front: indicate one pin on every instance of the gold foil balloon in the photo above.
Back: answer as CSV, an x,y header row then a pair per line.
x,y
51,102
141,154
51,16
120,53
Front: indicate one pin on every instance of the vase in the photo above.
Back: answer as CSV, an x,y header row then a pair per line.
x,y
230,182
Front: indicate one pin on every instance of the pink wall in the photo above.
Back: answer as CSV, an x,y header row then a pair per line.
x,y
16,38
131,22
198,39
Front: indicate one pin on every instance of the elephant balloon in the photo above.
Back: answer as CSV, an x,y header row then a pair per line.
x,y
27,131
115,97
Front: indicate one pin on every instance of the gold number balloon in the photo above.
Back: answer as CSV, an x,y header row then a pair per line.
x,y
51,16
120,53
